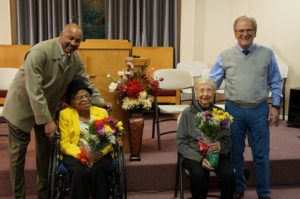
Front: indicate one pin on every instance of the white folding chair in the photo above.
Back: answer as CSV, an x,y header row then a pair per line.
x,y
6,77
195,68
173,79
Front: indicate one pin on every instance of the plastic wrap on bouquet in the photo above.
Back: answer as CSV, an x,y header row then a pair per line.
x,y
212,157
92,156
136,127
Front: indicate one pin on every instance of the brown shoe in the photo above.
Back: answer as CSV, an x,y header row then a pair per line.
x,y
238,195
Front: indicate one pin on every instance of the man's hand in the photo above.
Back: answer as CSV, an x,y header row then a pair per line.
x,y
50,129
274,116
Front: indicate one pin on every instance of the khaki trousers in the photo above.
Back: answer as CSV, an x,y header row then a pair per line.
x,y
18,142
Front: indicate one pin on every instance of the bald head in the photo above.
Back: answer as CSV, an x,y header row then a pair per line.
x,y
70,38
72,27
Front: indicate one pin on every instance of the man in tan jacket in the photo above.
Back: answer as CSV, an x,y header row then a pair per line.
x,y
33,99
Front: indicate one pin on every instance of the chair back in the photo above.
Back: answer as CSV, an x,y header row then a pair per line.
x,y
193,67
174,79
6,77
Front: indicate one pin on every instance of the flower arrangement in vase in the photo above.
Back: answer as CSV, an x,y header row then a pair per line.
x,y
135,89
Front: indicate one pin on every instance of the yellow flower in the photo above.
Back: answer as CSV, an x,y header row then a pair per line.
x,y
108,129
120,126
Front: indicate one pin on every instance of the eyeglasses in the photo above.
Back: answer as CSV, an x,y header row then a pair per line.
x,y
202,91
82,97
242,31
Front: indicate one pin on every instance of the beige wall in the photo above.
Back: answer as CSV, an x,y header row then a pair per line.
x,y
5,33
278,27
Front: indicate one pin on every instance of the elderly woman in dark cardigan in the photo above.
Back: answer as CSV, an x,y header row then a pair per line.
x,y
193,159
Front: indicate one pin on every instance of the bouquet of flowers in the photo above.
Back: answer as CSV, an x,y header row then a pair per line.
x,y
135,90
100,134
211,123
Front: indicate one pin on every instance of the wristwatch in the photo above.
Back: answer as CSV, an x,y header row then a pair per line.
x,y
276,106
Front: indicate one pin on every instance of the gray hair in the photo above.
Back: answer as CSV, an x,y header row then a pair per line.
x,y
205,80
245,18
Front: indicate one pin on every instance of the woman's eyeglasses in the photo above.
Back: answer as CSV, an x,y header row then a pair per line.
x,y
82,97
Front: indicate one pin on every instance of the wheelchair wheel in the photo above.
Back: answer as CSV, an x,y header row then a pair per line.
x,y
119,184
53,168
56,182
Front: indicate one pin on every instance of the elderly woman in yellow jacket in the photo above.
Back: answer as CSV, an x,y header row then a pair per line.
x,y
87,179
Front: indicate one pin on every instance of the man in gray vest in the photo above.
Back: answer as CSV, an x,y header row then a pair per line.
x,y
33,99
250,71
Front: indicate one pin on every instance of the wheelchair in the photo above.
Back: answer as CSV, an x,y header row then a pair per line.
x,y
59,176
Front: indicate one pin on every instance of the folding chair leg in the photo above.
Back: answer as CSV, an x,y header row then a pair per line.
x,y
177,179
158,131
154,120
181,190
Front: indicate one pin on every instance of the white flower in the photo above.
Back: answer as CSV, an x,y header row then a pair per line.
x,y
112,87
130,64
120,73
143,95
129,104
147,104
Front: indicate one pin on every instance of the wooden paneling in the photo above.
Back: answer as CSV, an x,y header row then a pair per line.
x,y
161,57
13,55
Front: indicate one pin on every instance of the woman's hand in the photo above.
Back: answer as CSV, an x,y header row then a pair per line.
x,y
97,157
214,147
206,165
83,158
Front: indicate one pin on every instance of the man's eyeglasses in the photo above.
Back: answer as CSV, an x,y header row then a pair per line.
x,y
82,97
242,31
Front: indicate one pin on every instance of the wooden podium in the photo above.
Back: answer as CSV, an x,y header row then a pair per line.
x,y
103,57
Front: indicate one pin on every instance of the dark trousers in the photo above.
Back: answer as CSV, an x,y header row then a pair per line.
x,y
199,178
18,142
89,181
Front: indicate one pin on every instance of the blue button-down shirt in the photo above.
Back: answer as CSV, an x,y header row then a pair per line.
x,y
217,74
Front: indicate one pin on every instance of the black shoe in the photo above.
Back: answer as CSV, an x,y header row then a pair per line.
x,y
238,195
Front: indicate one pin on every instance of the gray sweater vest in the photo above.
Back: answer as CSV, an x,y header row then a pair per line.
x,y
246,75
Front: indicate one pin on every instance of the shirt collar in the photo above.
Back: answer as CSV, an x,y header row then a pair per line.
x,y
250,48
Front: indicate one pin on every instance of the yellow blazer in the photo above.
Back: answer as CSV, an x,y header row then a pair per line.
x,y
69,127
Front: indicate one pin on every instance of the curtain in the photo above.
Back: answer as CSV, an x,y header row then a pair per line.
x,y
144,22
39,20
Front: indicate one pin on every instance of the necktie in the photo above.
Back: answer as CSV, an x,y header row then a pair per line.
x,y
66,59
246,52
